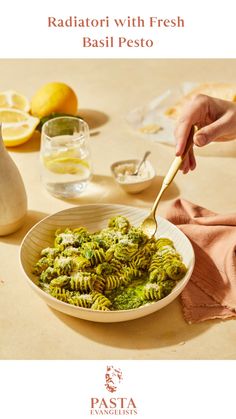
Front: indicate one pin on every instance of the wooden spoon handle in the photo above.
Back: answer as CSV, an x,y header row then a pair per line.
x,y
179,160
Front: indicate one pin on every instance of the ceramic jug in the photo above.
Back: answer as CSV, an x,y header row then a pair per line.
x,y
13,199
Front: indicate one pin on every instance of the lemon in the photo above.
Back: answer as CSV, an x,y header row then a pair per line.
x,y
17,126
12,99
54,98
66,165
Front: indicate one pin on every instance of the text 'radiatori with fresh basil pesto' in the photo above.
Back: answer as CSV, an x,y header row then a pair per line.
x,y
111,41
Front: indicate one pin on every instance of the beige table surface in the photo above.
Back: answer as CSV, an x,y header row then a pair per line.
x,y
107,91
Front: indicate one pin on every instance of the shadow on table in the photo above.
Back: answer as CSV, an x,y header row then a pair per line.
x,y
32,218
95,119
30,146
162,329
104,189
151,193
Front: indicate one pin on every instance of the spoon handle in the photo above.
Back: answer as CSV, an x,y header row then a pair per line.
x,y
173,170
179,160
141,162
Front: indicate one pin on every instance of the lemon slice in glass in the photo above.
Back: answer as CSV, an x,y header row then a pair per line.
x,y
12,99
66,165
17,126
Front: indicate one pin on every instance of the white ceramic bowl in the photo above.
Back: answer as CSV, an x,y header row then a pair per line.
x,y
95,217
135,186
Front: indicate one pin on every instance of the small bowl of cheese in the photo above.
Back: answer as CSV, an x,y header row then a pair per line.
x,y
123,174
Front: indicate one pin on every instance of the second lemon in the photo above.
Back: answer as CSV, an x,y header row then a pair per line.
x,y
54,97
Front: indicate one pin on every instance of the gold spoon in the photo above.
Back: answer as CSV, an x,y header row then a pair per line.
x,y
149,225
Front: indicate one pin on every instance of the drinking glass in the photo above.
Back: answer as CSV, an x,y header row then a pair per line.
x,y
65,156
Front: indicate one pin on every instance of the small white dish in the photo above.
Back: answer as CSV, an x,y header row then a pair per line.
x,y
133,184
94,217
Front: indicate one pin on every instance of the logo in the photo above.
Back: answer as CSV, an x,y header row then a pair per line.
x,y
113,378
122,405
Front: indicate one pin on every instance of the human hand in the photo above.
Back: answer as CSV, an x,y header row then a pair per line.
x,y
215,120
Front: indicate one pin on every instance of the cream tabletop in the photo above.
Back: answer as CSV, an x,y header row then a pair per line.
x,y
107,91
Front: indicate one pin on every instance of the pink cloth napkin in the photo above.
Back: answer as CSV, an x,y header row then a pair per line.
x,y
211,291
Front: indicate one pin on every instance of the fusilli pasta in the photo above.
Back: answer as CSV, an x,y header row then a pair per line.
x,y
117,268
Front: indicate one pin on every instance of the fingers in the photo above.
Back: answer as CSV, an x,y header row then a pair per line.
x,y
185,165
216,120
189,162
192,115
192,160
219,129
181,133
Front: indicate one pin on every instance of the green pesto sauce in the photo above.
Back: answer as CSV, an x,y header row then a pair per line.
x,y
131,296
126,298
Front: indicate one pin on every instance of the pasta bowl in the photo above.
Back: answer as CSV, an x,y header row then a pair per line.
x,y
94,217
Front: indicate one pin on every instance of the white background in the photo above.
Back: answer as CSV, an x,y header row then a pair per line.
x,y
160,389
210,29
185,390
